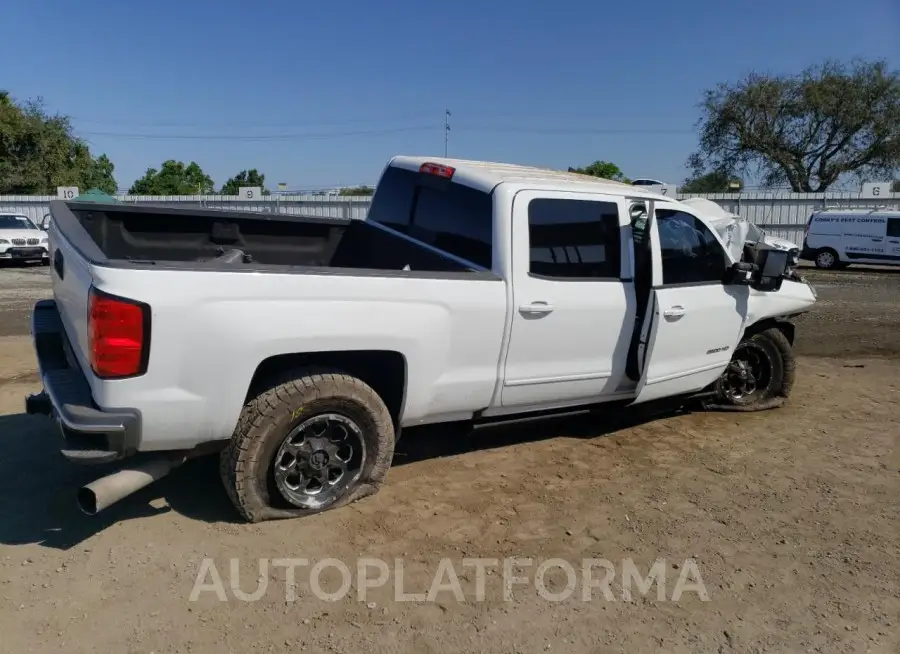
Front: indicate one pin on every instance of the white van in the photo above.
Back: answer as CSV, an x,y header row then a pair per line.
x,y
835,238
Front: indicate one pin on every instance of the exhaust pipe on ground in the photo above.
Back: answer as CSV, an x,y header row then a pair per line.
x,y
106,491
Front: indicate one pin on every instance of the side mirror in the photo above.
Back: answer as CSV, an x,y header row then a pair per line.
x,y
740,273
771,264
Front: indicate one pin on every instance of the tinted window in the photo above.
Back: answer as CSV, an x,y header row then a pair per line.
x,y
893,227
690,251
574,239
454,218
392,201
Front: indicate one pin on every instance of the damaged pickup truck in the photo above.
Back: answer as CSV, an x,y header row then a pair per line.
x,y
297,349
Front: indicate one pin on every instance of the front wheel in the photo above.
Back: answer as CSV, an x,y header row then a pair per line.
x,y
760,375
827,259
317,441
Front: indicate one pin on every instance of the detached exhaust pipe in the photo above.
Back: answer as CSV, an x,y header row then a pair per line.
x,y
106,491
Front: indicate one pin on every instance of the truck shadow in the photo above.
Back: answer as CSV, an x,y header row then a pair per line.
x,y
38,486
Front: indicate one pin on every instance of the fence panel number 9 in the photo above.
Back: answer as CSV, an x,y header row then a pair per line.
x,y
247,193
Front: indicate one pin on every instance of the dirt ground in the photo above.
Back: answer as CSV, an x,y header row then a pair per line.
x,y
791,518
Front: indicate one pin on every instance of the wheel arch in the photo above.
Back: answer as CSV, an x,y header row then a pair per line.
x,y
384,370
785,326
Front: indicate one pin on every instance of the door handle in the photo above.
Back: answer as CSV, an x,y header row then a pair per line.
x,y
58,264
536,307
674,312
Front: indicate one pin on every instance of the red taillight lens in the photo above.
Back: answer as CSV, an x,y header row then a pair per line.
x,y
118,335
437,169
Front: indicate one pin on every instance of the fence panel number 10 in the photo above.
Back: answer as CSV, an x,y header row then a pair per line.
x,y
67,192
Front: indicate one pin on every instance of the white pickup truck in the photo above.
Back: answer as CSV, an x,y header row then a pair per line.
x,y
299,348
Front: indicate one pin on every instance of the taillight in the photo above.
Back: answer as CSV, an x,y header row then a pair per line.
x,y
437,169
118,335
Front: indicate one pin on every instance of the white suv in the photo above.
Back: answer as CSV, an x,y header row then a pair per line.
x,y
22,240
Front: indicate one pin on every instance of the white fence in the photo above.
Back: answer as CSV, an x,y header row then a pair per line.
x,y
782,214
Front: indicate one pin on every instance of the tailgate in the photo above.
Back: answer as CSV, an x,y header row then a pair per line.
x,y
71,279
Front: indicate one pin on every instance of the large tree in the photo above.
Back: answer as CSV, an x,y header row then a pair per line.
x,y
806,130
714,182
39,151
173,178
250,177
603,169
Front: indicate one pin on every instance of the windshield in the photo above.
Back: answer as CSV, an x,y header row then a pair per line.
x,y
16,222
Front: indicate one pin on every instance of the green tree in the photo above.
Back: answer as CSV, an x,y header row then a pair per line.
x,y
806,130
250,177
39,152
603,169
714,182
173,178
357,190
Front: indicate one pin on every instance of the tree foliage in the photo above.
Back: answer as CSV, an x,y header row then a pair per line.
x,y
714,182
603,169
250,177
357,190
173,178
805,130
39,152
896,187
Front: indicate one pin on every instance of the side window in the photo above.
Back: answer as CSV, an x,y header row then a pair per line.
x,y
690,252
893,227
456,219
574,239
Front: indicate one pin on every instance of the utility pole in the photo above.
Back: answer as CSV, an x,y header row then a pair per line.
x,y
446,130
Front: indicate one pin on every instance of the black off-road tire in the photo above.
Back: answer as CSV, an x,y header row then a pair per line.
x,y
774,345
246,465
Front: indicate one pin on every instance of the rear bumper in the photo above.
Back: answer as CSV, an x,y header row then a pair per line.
x,y
91,435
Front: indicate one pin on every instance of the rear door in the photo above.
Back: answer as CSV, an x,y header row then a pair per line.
x,y
573,299
695,319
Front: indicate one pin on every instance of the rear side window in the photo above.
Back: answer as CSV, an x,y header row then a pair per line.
x,y
574,239
449,216
893,227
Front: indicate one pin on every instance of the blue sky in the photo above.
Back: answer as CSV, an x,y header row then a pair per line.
x,y
323,93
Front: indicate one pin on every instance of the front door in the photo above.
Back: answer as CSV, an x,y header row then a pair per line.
x,y
694,319
573,299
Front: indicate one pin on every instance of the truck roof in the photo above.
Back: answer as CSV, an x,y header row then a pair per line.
x,y
485,175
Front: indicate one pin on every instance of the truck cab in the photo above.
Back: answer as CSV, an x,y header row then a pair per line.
x,y
601,306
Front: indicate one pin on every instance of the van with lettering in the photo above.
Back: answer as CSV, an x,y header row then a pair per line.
x,y
836,238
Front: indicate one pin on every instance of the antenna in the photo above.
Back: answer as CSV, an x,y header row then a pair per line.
x,y
446,130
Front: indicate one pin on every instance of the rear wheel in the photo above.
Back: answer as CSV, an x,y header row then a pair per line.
x,y
315,442
826,259
760,375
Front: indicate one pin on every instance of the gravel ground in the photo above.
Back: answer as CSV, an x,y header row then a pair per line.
x,y
790,518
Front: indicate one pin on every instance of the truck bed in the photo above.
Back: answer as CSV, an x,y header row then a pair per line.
x,y
216,239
